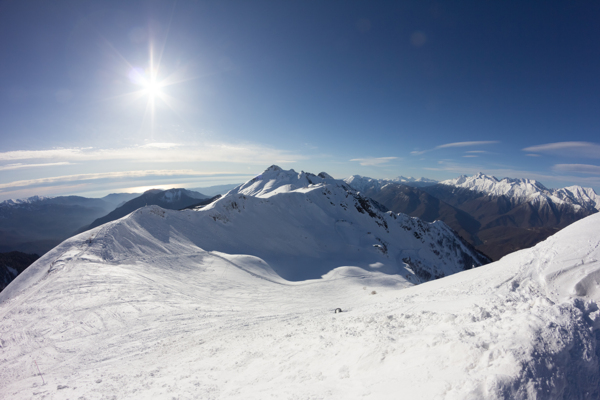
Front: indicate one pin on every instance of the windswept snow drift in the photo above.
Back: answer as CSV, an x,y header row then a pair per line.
x,y
137,309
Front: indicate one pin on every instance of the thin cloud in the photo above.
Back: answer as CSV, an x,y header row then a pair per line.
x,y
466,144
571,149
19,165
578,168
108,175
374,161
456,144
163,152
161,145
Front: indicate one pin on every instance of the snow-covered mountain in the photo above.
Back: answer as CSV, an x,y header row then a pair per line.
x,y
363,183
527,190
304,226
29,200
172,199
138,308
215,190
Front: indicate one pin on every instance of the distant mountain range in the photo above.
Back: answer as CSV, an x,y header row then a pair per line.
x,y
362,183
172,199
37,224
496,216
212,191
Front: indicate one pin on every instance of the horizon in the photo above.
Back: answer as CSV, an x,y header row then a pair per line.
x,y
111,96
164,187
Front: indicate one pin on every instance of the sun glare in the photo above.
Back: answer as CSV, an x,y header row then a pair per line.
x,y
152,88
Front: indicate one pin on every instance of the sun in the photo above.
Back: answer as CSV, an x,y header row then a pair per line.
x,y
150,85
152,88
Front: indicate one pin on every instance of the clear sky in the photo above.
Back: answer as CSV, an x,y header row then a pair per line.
x,y
100,96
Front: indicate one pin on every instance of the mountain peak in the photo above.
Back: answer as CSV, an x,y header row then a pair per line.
x,y
524,189
481,175
274,168
276,180
27,200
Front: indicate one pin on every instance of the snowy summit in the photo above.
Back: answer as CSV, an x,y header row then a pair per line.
x,y
237,300
527,190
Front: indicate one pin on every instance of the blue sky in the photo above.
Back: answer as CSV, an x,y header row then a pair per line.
x,y
98,97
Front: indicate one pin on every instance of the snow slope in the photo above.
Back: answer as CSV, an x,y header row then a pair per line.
x,y
528,190
136,309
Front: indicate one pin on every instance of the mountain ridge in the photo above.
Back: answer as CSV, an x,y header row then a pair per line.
x,y
496,216
109,316
523,189
173,199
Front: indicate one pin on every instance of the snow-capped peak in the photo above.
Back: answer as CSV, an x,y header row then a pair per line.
x,y
522,189
275,180
493,186
28,200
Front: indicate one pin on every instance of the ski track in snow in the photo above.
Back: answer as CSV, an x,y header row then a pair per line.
x,y
196,326
206,324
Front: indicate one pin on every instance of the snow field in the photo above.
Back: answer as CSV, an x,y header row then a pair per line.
x,y
196,304
197,326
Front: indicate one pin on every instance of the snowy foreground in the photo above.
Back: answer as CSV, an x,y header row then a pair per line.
x,y
140,321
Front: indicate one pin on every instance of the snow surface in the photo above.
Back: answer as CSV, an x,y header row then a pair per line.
x,y
136,309
527,190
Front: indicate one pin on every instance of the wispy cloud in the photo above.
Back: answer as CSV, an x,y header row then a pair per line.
x,y
163,152
578,168
456,144
161,145
108,175
571,149
374,161
19,165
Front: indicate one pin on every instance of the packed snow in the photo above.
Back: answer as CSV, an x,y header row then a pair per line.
x,y
528,190
137,309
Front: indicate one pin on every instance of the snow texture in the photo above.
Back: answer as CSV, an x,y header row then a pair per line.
x,y
137,309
